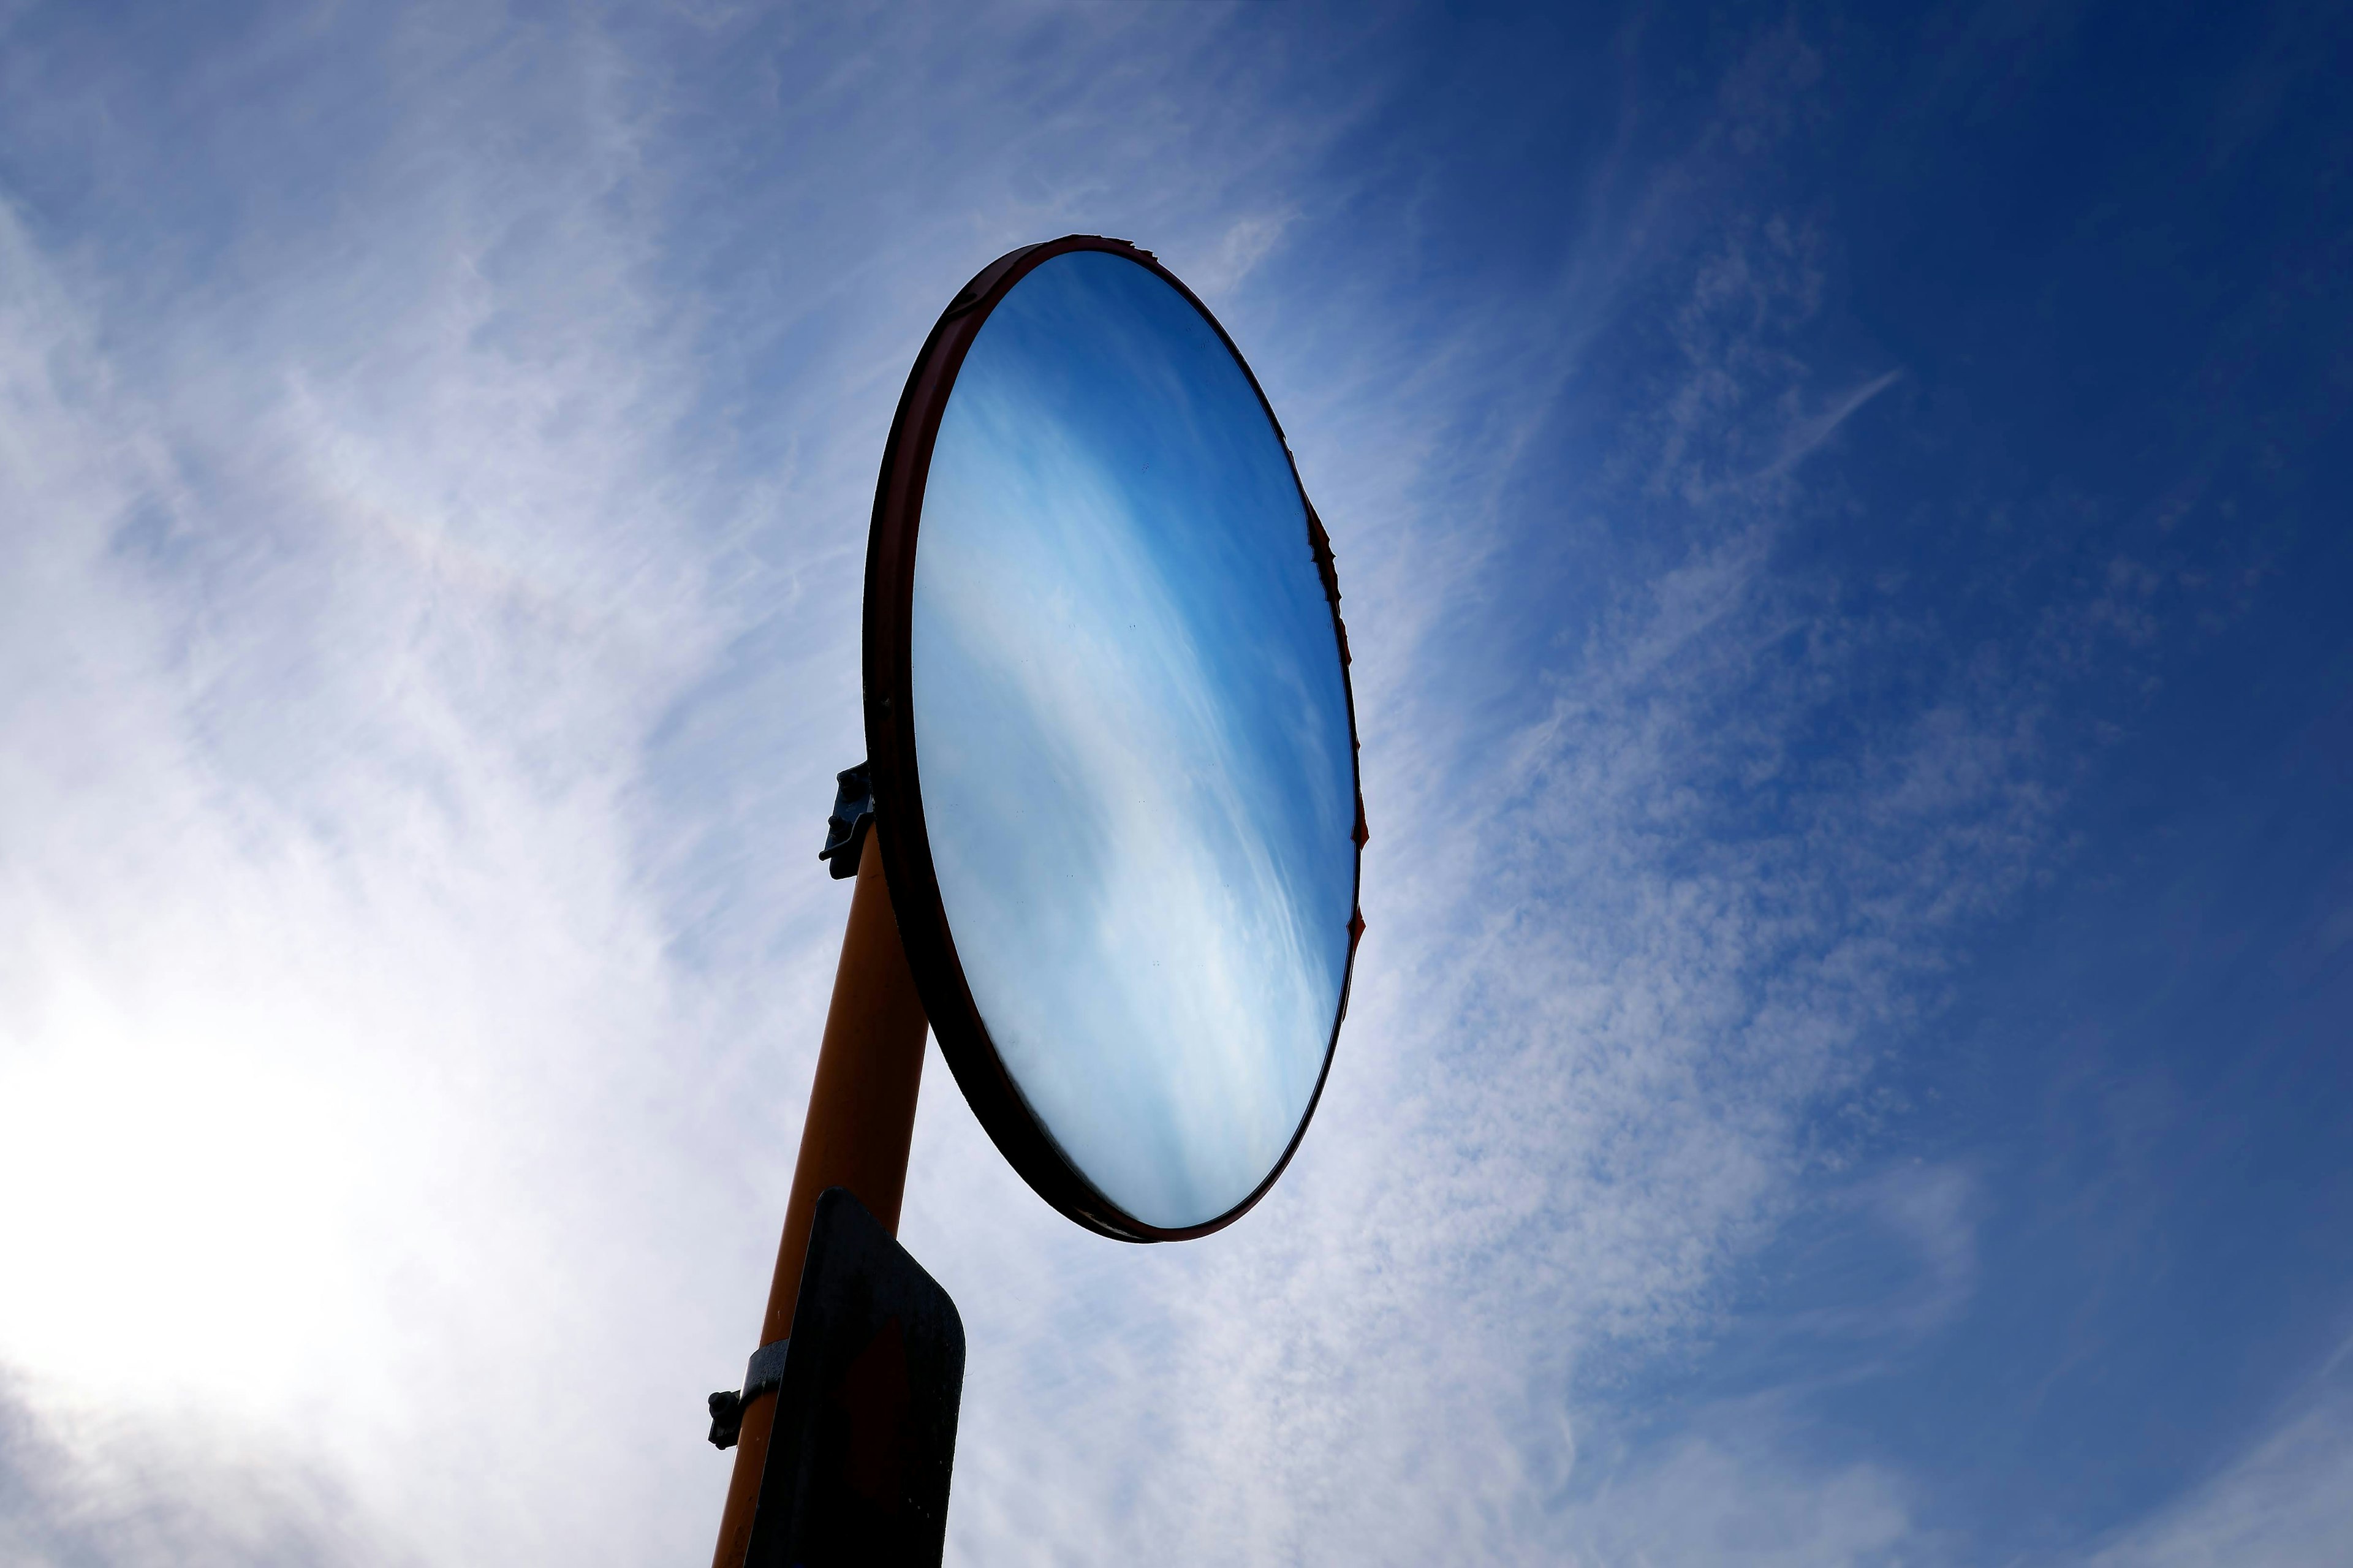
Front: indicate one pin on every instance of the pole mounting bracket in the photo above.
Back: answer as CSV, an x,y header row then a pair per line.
x,y
763,1373
853,813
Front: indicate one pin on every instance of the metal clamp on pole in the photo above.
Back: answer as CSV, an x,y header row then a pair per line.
x,y
763,1373
853,813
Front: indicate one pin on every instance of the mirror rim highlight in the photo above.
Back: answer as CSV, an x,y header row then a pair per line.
x,y
904,840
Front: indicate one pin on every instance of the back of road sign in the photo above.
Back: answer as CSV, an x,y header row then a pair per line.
x,y
865,1431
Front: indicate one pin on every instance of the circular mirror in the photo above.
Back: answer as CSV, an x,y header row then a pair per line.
x,y
1113,744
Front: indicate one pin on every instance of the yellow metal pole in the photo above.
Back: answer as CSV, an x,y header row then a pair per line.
x,y
862,1118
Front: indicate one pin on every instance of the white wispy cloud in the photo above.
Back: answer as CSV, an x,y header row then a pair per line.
x,y
1734,1488
2287,1499
334,627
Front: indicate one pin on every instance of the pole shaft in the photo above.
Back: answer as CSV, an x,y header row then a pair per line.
x,y
862,1118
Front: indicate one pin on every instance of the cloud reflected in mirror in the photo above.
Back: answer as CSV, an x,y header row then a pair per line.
x,y
1133,737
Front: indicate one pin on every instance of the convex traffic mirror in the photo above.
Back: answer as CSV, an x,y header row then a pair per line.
x,y
1113,753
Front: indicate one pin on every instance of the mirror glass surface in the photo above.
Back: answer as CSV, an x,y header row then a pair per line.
x,y
1132,738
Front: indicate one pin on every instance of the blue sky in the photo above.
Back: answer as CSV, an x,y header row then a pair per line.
x,y
1844,533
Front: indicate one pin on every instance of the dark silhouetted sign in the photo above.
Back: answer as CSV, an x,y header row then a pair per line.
x,y
865,1432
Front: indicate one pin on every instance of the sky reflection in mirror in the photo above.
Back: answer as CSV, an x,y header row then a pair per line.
x,y
1132,738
